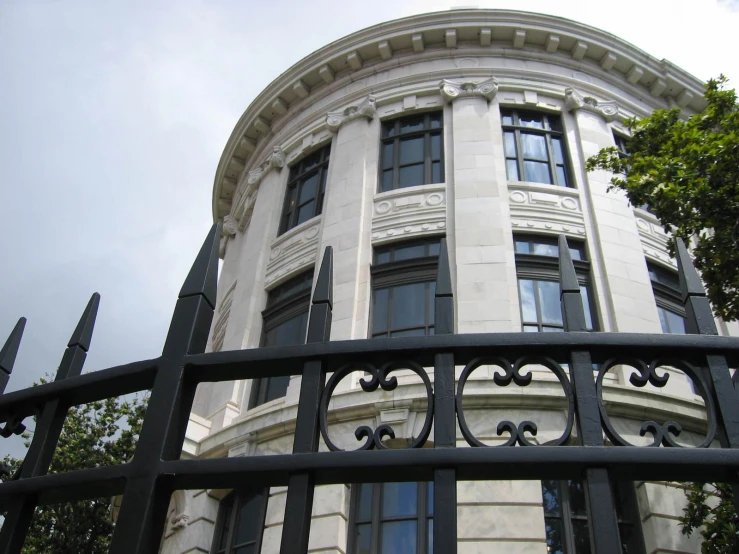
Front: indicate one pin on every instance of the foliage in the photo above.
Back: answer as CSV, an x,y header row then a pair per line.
x,y
687,170
95,434
712,506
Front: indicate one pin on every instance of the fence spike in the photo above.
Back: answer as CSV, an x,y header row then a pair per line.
x,y
443,273
9,352
203,277
573,312
324,291
690,282
82,335
567,276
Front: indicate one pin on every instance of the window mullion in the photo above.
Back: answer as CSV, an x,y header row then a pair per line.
x,y
569,534
232,523
552,161
376,504
396,161
519,155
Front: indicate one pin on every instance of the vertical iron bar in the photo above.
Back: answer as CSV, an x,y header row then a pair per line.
x,y
46,435
604,535
9,352
700,321
445,423
300,487
147,494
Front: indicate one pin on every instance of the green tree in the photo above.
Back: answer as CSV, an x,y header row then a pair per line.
x,y
711,511
687,170
95,434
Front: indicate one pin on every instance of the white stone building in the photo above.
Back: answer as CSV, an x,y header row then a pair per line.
x,y
472,125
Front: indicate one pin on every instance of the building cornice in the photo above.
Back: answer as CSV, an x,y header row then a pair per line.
x,y
474,33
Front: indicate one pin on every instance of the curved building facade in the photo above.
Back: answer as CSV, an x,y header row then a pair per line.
x,y
468,125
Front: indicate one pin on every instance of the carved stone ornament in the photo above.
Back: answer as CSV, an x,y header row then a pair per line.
x,y
275,160
228,230
576,101
334,120
451,90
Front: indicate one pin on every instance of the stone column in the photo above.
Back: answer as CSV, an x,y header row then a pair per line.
x,y
486,289
614,238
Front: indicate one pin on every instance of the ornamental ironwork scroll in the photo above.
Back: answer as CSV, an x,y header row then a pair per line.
x,y
512,374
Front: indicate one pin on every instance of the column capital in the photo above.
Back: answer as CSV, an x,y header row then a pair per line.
x,y
275,160
576,101
366,108
451,90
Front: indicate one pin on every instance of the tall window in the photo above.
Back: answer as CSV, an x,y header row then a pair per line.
x,y
566,517
285,321
537,266
535,148
305,189
240,523
666,288
403,289
412,152
392,518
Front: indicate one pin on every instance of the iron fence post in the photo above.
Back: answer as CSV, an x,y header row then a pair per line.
x,y
146,497
301,486
445,423
604,534
46,435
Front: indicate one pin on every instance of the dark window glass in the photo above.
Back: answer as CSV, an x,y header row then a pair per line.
x,y
666,289
534,148
537,265
240,523
285,322
412,152
566,517
403,289
392,518
306,187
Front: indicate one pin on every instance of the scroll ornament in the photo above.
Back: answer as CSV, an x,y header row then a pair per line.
x,y
451,90
367,109
576,101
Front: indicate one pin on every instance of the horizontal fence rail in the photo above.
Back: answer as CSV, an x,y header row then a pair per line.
x,y
578,361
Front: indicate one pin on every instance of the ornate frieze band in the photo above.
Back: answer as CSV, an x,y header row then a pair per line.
x,y
409,213
451,90
549,211
654,240
293,251
366,109
576,101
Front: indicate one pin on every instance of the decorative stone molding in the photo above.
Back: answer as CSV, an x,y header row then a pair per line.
x,y
411,212
293,251
557,210
576,101
275,160
178,517
244,208
654,240
451,90
228,231
334,120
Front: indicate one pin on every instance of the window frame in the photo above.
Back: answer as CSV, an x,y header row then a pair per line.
x,y
627,514
668,298
234,499
410,271
539,267
277,312
549,131
426,133
422,517
296,179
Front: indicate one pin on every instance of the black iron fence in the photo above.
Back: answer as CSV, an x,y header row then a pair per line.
x,y
156,470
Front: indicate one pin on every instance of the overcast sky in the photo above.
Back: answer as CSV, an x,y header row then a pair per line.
x,y
113,115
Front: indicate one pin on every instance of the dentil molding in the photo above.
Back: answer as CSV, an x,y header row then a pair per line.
x,y
411,212
366,109
576,101
451,90
556,210
293,251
